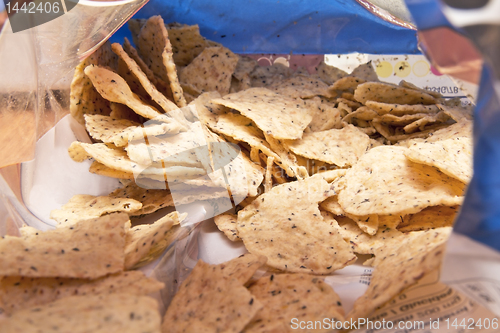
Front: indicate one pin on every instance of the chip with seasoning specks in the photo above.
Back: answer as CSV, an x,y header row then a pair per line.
x,y
286,226
289,116
211,70
18,292
114,88
288,296
210,300
85,206
407,263
117,312
141,238
385,182
392,94
342,147
86,249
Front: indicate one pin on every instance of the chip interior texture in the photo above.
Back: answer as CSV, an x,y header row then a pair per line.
x,y
341,147
391,94
286,226
141,238
278,116
86,249
302,86
385,182
90,313
210,301
84,206
293,296
211,70
243,267
407,264
84,98
104,128
17,292
117,159
186,42
113,87
431,217
451,156
227,224
155,48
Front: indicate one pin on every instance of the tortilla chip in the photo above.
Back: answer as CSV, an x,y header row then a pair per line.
x,y
456,112
156,81
329,74
101,169
391,94
113,87
104,128
172,150
288,296
209,300
206,112
243,129
429,218
143,80
263,76
365,72
155,48
406,84
227,224
244,67
84,207
463,128
268,179
361,113
363,243
408,263
117,159
422,123
385,182
141,238
342,147
452,157
243,267
332,205
286,226
86,249
301,86
367,223
290,116
347,105
390,134
84,98
324,115
401,109
404,120
346,83
17,292
211,70
287,160
155,199
187,43
90,313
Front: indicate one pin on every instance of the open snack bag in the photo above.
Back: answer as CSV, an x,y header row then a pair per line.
x,y
248,167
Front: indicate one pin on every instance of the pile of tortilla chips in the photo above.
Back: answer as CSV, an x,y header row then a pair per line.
x,y
332,165
77,277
